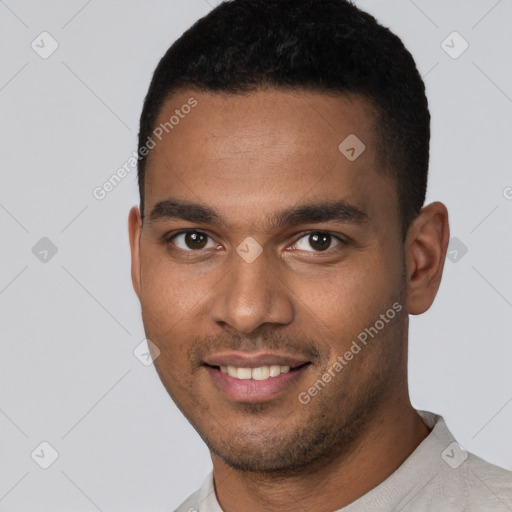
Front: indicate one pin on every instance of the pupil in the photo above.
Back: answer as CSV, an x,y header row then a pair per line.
x,y
195,240
320,241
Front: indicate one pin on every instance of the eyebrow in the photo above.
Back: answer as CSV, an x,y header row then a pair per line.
x,y
338,211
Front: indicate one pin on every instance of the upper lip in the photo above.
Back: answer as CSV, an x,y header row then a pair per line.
x,y
253,360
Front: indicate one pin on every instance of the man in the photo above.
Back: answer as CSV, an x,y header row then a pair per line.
x,y
280,245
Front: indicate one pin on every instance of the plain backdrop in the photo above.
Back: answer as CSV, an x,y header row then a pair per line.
x,y
69,319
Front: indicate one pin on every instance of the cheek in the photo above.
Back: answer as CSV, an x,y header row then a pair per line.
x,y
351,291
169,295
174,304
343,302
166,301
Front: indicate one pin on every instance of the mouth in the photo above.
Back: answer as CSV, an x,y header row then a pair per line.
x,y
254,378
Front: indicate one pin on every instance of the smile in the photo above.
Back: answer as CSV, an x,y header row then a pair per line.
x,y
260,373
251,380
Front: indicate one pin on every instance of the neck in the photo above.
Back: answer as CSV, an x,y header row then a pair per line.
x,y
388,439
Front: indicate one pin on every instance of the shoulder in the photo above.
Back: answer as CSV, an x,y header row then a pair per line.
x,y
476,485
494,478
450,478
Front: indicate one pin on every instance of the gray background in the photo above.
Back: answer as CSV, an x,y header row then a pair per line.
x,y
70,323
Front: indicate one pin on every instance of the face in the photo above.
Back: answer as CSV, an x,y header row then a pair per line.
x,y
269,254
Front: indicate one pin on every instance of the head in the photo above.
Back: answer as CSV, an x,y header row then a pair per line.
x,y
281,221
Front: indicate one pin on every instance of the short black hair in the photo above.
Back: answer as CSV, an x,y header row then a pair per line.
x,y
328,46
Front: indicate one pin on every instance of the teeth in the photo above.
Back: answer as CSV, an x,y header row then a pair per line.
x,y
275,370
260,373
244,373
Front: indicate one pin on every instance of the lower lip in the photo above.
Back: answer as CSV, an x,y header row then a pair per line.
x,y
250,390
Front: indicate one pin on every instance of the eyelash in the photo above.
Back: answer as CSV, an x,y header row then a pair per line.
x,y
168,240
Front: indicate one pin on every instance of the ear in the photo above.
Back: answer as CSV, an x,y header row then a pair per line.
x,y
426,245
134,231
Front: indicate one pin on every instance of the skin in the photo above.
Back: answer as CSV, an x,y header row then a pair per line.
x,y
248,157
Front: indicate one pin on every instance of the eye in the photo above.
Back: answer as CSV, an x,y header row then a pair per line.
x,y
319,241
191,240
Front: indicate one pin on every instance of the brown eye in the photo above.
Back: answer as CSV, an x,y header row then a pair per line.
x,y
318,241
191,240
195,240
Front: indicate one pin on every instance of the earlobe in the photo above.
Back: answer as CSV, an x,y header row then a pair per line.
x,y
134,231
426,245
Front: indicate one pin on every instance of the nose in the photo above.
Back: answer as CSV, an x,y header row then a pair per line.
x,y
252,294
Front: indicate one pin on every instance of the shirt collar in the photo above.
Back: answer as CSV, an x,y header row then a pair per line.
x,y
423,465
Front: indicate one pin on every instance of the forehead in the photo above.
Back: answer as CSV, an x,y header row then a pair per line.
x,y
247,153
